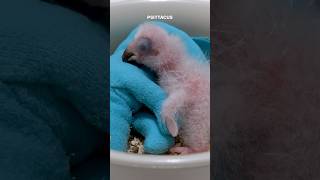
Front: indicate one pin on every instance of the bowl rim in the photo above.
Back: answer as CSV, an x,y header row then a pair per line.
x,y
122,2
160,161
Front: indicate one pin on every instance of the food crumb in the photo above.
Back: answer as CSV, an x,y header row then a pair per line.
x,y
136,145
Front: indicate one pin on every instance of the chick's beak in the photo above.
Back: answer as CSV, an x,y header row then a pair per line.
x,y
128,56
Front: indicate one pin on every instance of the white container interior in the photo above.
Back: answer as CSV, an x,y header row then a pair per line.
x,y
192,16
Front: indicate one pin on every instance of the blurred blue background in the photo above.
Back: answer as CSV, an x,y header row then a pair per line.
x,y
53,90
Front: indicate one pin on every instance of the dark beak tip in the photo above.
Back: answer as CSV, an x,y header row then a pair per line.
x,y
126,55
124,59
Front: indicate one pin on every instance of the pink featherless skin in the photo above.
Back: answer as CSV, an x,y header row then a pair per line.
x,y
186,80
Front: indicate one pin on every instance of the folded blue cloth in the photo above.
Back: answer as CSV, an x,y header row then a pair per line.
x,y
155,142
132,87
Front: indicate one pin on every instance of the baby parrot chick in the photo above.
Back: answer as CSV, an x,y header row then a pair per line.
x,y
186,111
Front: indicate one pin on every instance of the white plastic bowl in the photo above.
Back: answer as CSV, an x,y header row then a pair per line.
x,y
125,166
193,16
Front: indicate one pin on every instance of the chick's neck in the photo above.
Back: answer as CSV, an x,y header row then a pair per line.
x,y
170,63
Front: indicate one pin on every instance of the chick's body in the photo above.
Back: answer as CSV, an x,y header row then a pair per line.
x,y
186,81
190,81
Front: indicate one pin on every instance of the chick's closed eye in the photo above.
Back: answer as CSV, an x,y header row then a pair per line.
x,y
144,45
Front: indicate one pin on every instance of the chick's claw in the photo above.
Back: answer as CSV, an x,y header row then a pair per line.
x,y
170,121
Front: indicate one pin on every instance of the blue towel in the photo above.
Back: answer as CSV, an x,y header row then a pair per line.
x,y
132,87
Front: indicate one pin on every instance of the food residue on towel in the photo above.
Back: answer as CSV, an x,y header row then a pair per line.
x,y
135,144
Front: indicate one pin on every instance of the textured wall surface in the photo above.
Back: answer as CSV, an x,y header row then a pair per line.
x,y
266,103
